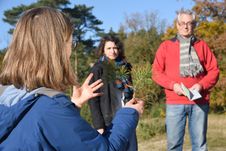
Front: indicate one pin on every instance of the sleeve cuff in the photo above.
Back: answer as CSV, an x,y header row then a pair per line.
x,y
171,85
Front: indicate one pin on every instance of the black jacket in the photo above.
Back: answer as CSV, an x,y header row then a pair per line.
x,y
103,108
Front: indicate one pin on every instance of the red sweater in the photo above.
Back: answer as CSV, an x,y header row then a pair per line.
x,y
166,71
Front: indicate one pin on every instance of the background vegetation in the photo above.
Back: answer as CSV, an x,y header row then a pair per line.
x,y
141,35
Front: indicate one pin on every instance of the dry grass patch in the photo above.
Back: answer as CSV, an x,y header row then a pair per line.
x,y
216,137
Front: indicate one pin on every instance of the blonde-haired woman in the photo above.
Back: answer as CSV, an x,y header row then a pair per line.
x,y
35,113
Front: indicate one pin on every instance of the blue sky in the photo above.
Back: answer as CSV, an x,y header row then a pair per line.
x,y
111,12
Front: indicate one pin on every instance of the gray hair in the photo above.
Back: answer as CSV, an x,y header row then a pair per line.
x,y
187,12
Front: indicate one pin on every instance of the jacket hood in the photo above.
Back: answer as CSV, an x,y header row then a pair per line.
x,y
14,103
11,95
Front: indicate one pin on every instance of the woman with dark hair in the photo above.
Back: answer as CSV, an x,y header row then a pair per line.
x,y
114,70
35,113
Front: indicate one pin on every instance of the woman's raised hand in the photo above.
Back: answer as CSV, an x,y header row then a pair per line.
x,y
82,94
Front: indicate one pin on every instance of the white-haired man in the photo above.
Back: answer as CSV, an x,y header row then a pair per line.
x,y
188,60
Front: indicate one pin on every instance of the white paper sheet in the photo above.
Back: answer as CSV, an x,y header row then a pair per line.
x,y
191,94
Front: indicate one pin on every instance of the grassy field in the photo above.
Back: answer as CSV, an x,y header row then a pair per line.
x,y
216,137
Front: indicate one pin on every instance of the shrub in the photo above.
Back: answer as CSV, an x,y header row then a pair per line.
x,y
145,88
157,111
150,127
218,95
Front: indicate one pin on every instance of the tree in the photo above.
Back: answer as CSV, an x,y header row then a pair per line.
x,y
142,35
212,18
210,9
12,15
85,23
137,21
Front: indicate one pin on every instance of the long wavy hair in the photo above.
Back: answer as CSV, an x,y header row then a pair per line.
x,y
117,42
37,55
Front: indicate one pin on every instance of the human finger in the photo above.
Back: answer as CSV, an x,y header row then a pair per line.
x,y
88,79
132,101
95,83
140,108
97,86
140,103
97,94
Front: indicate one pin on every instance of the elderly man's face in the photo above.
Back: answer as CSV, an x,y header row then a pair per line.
x,y
185,25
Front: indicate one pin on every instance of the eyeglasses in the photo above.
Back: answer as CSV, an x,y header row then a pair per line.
x,y
189,24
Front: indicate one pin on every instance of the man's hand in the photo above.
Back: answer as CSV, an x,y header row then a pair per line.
x,y
197,87
177,89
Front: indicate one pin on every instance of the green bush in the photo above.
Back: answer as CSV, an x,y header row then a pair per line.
x,y
218,95
150,127
157,111
152,122
145,88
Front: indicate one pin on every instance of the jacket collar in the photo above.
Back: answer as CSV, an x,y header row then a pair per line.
x,y
174,39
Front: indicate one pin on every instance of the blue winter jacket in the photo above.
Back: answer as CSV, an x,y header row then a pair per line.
x,y
39,121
